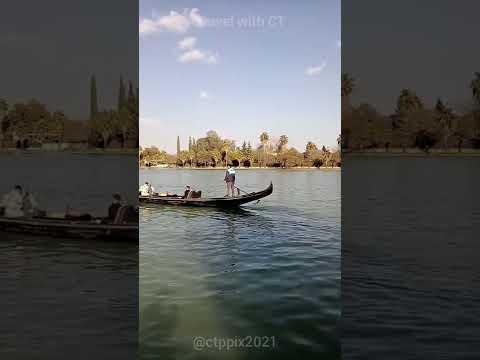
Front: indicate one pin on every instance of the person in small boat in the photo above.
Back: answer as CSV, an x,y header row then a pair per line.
x,y
12,202
147,189
30,205
114,206
230,180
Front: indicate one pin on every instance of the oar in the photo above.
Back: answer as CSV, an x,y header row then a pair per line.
x,y
246,193
242,190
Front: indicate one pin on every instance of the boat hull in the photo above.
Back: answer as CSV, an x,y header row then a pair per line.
x,y
60,228
223,202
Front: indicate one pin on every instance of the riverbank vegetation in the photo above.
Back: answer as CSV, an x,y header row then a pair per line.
x,y
412,124
213,151
31,124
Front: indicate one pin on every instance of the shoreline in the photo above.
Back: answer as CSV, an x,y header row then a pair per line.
x,y
72,151
241,168
413,153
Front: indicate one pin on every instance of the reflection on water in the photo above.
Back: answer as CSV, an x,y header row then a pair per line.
x,y
271,269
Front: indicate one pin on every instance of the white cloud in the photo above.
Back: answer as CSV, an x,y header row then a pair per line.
x,y
315,70
197,19
196,55
204,95
176,22
187,44
147,26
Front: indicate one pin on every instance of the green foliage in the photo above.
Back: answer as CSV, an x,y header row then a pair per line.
x,y
93,97
348,84
424,140
32,122
213,151
105,123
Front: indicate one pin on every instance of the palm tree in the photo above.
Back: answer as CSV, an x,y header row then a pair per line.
x,y
3,115
407,103
444,117
3,108
282,142
348,84
475,87
264,140
225,147
310,150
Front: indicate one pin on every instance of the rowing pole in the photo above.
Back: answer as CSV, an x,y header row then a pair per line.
x,y
242,190
246,193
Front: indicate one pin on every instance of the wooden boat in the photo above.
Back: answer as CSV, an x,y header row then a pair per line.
x,y
68,228
220,202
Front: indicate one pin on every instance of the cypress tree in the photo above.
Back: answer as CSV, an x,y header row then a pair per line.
x,y
189,143
131,95
178,146
121,94
93,98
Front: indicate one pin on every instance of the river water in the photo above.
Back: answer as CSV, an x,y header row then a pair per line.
x,y
410,248
270,270
68,298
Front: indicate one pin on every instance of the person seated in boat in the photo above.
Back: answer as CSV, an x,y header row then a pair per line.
x,y
126,214
30,205
114,206
188,189
230,179
12,202
143,190
147,189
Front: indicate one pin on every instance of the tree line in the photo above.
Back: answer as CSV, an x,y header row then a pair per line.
x,y
115,124
24,124
213,151
412,124
30,123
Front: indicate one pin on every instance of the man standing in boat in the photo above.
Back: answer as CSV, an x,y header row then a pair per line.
x,y
230,180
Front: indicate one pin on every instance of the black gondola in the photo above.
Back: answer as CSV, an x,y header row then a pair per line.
x,y
220,202
66,228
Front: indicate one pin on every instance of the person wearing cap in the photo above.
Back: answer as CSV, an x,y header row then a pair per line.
x,y
114,206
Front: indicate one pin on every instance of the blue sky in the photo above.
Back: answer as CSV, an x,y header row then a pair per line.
x,y
240,68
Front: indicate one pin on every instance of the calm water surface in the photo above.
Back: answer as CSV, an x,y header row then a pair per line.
x,y
410,250
271,269
68,298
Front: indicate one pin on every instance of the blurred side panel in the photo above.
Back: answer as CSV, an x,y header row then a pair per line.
x,y
69,179
410,174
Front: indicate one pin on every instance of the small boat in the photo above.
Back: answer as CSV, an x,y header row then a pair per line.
x,y
67,228
220,202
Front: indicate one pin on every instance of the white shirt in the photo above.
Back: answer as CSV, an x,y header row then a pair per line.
x,y
146,190
13,202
